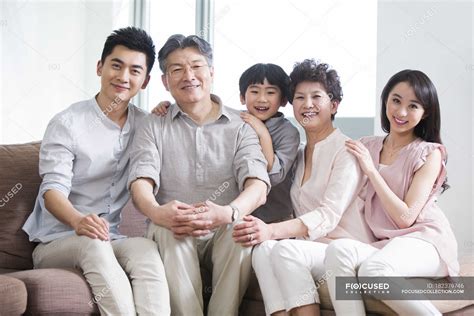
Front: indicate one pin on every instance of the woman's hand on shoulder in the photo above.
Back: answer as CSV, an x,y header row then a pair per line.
x,y
362,154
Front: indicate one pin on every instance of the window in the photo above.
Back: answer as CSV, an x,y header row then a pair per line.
x,y
284,32
49,51
167,18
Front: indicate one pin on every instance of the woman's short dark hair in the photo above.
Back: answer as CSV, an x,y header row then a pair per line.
x,y
133,38
274,74
428,128
179,41
315,71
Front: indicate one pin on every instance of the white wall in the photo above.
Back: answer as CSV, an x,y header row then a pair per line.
x,y
2,26
50,50
472,128
436,37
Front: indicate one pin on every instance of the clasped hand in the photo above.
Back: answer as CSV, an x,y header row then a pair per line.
x,y
194,220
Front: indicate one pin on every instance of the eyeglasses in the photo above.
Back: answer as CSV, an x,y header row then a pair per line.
x,y
178,71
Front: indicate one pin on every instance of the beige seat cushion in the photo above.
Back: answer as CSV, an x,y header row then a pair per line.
x,y
12,296
56,292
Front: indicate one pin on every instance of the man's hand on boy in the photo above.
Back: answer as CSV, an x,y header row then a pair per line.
x,y
162,108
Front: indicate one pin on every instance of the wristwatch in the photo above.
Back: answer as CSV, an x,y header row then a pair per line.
x,y
235,213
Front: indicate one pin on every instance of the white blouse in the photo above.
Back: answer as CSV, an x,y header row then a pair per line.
x,y
328,203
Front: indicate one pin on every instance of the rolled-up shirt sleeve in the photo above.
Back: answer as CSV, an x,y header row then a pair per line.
x,y
249,161
57,156
285,155
145,159
342,188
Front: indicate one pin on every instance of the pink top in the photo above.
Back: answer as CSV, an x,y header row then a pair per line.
x,y
431,225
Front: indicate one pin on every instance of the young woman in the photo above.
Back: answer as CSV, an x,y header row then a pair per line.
x,y
406,172
324,196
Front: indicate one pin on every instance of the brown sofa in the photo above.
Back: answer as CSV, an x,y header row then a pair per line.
x,y
65,292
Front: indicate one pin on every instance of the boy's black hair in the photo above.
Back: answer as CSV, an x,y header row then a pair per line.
x,y
133,38
274,74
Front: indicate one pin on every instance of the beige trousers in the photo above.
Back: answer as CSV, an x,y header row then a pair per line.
x,y
105,266
229,262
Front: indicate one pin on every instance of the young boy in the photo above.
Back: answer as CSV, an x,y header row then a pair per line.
x,y
263,89
84,162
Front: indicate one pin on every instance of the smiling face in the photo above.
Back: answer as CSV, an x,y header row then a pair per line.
x,y
188,76
404,111
262,100
312,106
123,74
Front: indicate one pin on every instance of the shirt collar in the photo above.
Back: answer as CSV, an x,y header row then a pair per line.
x,y
223,111
104,118
336,133
275,120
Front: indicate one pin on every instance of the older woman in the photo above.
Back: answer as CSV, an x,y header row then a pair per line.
x,y
324,194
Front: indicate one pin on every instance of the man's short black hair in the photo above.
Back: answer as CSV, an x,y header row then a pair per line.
x,y
134,39
274,74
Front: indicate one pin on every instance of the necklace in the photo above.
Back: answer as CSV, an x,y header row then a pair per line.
x,y
393,149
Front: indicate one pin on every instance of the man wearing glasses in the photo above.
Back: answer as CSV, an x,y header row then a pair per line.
x,y
194,173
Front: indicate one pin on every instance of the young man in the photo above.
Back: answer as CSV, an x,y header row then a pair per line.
x,y
207,169
84,162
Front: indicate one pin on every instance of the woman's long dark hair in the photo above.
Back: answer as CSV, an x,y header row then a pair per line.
x,y
429,127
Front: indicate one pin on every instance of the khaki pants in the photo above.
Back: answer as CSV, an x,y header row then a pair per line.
x,y
229,262
105,266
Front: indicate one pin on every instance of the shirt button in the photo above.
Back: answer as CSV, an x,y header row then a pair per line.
x,y
113,184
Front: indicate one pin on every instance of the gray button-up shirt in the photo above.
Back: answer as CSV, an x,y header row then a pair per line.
x,y
194,163
285,140
84,155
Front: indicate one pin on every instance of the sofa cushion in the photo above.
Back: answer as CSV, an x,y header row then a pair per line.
x,y
133,222
18,189
57,291
12,296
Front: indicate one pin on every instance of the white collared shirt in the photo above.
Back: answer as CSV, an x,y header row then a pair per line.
x,y
85,156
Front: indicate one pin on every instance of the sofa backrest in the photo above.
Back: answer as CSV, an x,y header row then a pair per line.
x,y
18,189
19,184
